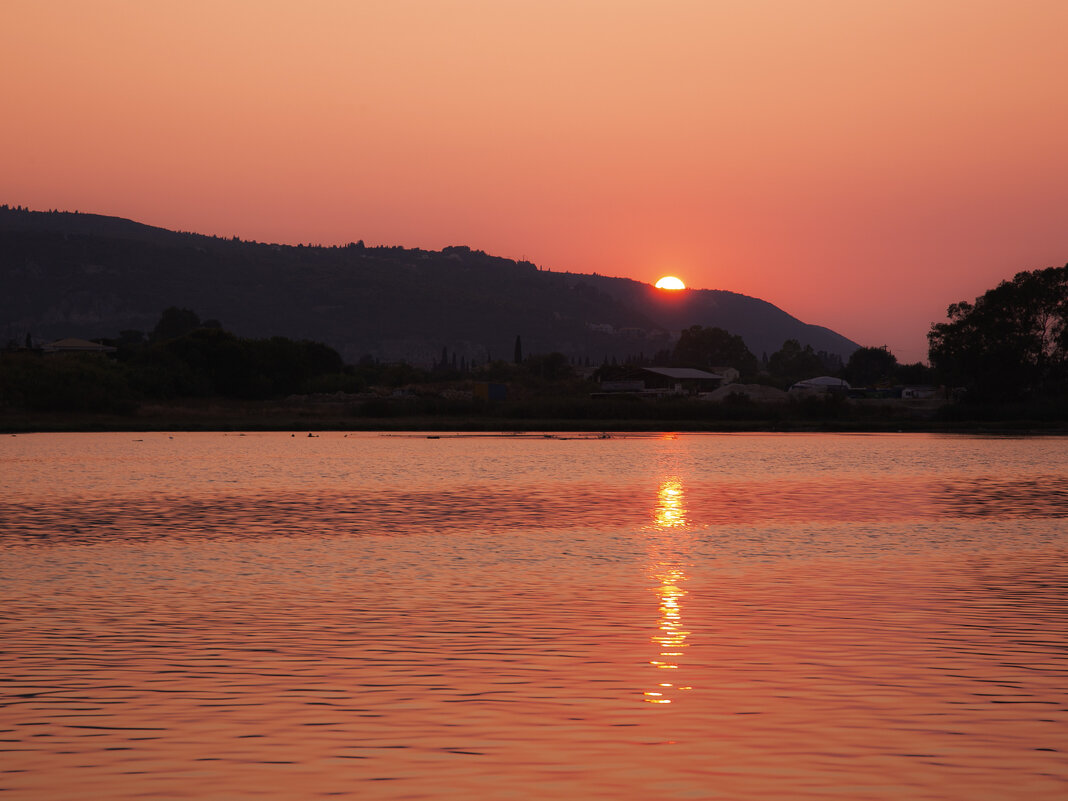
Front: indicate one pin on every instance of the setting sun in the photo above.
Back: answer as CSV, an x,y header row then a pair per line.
x,y
670,282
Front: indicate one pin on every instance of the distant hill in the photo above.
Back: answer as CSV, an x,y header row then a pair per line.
x,y
85,275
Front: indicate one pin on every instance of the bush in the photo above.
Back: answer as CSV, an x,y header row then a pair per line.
x,y
65,383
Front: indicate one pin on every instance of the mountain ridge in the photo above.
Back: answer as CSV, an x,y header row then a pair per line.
x,y
89,275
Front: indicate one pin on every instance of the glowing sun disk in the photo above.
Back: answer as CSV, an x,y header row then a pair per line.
x,y
670,282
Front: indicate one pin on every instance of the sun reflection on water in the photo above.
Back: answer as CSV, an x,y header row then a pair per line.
x,y
670,513
667,569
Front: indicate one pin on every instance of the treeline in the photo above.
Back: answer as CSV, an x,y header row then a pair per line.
x,y
1011,344
1008,347
182,357
1005,355
713,349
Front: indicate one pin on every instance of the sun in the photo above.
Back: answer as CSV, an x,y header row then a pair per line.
x,y
670,282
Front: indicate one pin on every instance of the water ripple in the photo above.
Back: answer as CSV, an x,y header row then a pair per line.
x,y
630,623
505,507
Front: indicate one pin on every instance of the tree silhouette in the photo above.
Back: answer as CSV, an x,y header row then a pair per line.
x,y
1012,342
794,363
870,367
175,323
707,348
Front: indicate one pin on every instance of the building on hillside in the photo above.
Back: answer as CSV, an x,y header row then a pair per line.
x,y
730,374
74,345
820,384
660,381
924,392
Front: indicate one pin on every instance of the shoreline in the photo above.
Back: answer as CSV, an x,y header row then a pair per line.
x,y
27,423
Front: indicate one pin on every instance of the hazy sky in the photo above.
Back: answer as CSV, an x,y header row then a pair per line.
x,y
859,163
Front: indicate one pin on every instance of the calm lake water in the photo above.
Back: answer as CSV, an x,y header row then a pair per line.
x,y
213,616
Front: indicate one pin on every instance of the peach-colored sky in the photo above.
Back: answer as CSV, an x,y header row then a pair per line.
x,y
861,164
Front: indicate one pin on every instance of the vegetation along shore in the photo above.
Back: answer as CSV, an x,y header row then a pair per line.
x,y
997,364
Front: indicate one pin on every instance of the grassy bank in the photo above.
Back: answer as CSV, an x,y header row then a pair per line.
x,y
230,415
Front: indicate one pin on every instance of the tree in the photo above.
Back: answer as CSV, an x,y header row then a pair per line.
x,y
518,350
870,367
129,339
793,363
708,348
549,367
1012,342
213,361
915,373
174,323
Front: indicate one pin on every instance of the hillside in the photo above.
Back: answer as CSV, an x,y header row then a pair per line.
x,y
69,274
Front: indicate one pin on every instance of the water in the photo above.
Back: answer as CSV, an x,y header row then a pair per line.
x,y
214,616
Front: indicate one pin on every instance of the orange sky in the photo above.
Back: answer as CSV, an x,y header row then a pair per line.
x,y
860,164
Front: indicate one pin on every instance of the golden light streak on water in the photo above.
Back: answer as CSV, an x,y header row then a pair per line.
x,y
670,523
670,512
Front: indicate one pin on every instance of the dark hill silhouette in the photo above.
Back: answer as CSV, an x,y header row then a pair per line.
x,y
86,275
